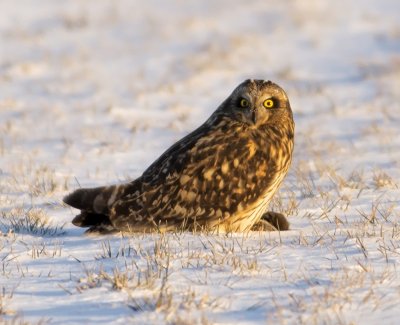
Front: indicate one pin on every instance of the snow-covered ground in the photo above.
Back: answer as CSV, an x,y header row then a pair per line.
x,y
91,92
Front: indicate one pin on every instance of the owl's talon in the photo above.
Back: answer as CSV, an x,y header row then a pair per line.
x,y
263,225
272,221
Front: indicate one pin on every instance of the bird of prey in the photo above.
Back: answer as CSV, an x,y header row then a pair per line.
x,y
220,177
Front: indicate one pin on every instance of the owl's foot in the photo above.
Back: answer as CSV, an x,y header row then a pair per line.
x,y
101,229
272,221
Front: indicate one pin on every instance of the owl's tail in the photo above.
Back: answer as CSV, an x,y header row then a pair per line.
x,y
94,204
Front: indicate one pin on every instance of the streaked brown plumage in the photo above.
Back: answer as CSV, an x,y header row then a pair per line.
x,y
219,177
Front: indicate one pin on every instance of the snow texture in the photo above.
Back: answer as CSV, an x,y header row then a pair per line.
x,y
91,92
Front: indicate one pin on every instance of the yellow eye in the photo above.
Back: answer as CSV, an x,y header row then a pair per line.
x,y
244,103
268,103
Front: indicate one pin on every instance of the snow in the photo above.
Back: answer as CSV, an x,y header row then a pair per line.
x,y
91,92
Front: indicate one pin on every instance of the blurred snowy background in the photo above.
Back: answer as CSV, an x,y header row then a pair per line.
x,y
91,92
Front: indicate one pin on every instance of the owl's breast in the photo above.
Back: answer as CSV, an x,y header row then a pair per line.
x,y
252,174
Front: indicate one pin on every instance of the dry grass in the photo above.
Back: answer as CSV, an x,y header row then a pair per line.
x,y
65,113
170,275
32,221
175,276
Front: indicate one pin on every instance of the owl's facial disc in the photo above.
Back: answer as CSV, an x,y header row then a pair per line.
x,y
254,102
253,110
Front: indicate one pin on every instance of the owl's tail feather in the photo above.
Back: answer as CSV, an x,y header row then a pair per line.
x,y
97,223
83,198
88,219
94,204
96,200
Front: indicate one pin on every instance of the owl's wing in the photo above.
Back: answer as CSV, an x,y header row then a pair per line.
x,y
98,205
201,177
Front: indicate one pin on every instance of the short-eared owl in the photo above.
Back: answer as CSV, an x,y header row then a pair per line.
x,y
219,177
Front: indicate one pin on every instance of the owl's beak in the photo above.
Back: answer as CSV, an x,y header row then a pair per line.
x,y
251,116
254,116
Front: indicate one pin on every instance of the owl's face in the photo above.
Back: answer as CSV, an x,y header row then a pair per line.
x,y
257,102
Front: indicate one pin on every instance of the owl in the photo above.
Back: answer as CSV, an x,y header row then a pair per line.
x,y
220,177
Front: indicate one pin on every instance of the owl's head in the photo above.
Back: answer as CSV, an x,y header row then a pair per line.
x,y
257,102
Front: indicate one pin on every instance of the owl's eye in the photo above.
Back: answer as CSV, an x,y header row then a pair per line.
x,y
269,103
244,103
